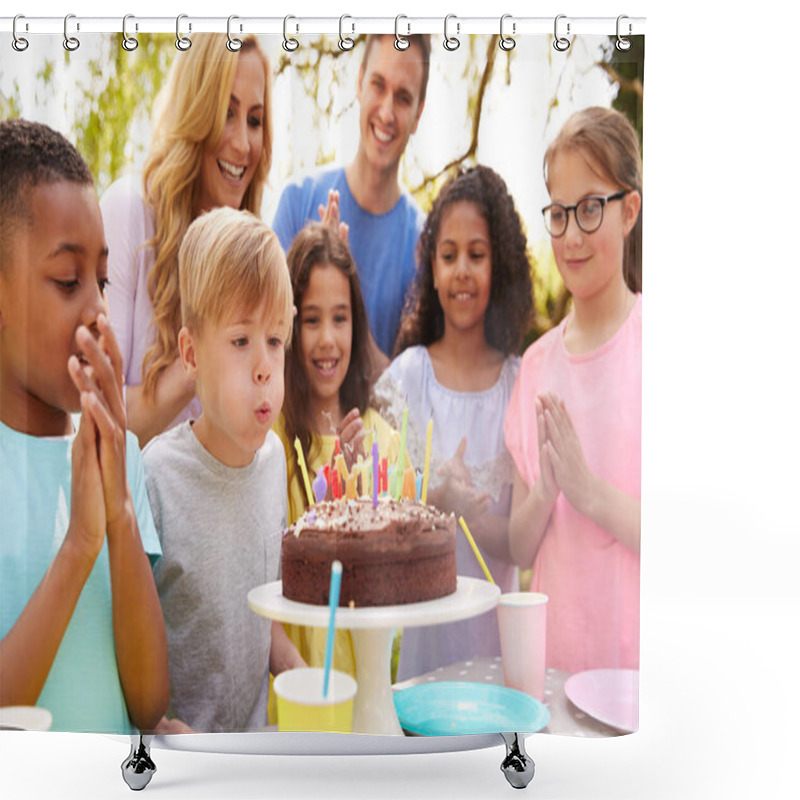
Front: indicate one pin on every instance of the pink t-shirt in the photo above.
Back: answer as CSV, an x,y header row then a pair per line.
x,y
129,223
592,579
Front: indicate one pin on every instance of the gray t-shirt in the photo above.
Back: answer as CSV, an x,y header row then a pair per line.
x,y
220,530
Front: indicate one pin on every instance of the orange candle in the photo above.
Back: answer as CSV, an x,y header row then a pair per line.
x,y
409,484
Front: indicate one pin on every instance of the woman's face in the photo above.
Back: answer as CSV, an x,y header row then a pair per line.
x,y
228,168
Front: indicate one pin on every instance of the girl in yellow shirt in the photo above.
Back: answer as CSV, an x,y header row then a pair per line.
x,y
328,388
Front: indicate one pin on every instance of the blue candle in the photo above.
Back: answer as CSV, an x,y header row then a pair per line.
x,y
333,604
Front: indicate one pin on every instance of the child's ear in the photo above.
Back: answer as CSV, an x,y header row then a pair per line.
x,y
186,346
633,205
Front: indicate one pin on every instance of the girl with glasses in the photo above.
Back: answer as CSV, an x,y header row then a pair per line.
x,y
573,424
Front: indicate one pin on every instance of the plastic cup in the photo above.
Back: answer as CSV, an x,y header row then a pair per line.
x,y
301,706
522,620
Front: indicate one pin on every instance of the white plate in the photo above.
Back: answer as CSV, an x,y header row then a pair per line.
x,y
473,596
25,718
608,695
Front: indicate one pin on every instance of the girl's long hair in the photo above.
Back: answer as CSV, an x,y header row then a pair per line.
x,y
511,297
184,126
317,245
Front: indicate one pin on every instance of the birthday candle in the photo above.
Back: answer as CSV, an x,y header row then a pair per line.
x,y
350,487
320,486
426,473
302,462
341,467
401,459
384,487
475,550
409,484
336,486
375,477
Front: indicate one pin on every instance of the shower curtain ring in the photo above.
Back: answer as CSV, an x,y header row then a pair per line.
x,y
70,42
289,44
400,42
561,43
451,42
183,43
345,42
506,42
233,44
622,44
19,43
129,43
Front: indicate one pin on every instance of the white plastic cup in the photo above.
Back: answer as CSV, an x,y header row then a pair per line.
x,y
522,619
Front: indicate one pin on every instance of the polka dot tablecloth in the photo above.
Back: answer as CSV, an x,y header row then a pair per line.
x,y
565,718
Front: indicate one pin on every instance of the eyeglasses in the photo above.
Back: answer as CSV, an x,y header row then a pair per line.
x,y
588,214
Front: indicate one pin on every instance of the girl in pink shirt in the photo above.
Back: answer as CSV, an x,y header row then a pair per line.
x,y
573,424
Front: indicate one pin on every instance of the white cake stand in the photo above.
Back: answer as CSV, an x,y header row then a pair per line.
x,y
373,708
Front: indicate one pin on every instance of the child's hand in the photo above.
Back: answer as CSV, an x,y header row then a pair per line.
x,y
455,468
564,449
169,726
329,215
351,435
101,379
457,492
546,474
87,523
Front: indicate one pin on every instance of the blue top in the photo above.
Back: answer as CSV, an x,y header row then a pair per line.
x,y
82,690
383,245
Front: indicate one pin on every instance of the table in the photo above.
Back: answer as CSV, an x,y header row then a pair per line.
x,y
565,718
372,628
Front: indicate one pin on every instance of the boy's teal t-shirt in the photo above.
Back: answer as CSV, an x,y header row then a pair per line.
x,y
82,690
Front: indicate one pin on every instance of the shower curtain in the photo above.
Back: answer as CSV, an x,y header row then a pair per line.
x,y
486,105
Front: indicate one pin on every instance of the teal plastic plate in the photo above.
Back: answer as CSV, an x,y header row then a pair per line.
x,y
450,708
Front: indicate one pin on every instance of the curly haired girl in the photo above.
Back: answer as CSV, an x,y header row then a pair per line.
x,y
456,362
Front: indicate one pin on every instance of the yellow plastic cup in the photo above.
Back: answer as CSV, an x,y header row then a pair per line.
x,y
301,706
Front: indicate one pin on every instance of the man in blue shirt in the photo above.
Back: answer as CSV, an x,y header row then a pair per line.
x,y
382,221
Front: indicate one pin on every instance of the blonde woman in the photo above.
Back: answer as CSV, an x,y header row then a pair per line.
x,y
211,147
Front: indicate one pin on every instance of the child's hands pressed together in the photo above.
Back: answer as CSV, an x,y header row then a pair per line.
x,y
329,215
546,473
565,454
351,435
100,382
87,529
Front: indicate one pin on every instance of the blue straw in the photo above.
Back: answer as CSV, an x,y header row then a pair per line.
x,y
333,603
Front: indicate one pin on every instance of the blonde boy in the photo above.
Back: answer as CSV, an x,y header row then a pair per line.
x,y
217,485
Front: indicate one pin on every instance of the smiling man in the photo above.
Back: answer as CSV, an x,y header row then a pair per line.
x,y
383,220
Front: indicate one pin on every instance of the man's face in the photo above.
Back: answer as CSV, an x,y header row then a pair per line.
x,y
389,86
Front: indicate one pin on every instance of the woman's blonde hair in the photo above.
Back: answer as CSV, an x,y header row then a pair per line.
x,y
612,146
229,262
184,126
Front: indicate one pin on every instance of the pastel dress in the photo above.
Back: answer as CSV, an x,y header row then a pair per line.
x,y
310,642
410,380
591,578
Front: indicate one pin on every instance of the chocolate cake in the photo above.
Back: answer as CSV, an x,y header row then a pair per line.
x,y
399,552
